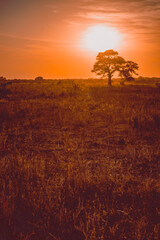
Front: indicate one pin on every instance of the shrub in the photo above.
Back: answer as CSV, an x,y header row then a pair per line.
x,y
39,79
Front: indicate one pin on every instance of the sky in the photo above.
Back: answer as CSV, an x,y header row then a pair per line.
x,y
53,38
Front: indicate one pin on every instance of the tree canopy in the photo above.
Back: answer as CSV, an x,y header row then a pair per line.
x,y
108,62
127,69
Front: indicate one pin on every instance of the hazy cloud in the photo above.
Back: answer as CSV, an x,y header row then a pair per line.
x,y
48,19
135,16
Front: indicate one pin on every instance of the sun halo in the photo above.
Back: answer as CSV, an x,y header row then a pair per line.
x,y
100,38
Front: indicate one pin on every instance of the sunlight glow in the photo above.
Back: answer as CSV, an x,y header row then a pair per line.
x,y
100,38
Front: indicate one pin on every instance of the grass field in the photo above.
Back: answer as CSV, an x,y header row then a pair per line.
x,y
79,160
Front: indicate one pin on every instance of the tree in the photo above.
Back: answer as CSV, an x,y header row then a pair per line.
x,y
127,69
39,79
2,79
107,63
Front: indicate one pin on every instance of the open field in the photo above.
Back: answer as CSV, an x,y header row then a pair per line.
x,y
79,160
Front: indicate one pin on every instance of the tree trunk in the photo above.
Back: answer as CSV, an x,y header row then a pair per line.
x,y
109,80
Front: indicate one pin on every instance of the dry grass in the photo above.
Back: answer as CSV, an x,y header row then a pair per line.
x,y
79,161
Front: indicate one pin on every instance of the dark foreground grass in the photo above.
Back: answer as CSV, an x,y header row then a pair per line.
x,y
79,162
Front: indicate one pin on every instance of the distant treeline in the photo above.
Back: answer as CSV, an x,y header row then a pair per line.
x,y
138,80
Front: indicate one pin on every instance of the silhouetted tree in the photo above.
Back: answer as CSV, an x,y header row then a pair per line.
x,y
2,79
127,69
39,79
107,63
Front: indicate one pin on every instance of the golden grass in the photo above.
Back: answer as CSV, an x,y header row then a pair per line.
x,y
79,161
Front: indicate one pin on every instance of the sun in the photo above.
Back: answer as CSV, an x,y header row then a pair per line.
x,y
100,38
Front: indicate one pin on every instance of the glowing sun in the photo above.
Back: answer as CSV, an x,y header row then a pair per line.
x,y
100,38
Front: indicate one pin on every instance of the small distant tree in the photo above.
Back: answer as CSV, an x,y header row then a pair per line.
x,y
107,63
2,79
3,90
127,69
39,79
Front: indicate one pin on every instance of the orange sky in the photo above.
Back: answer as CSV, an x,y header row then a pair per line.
x,y
45,37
